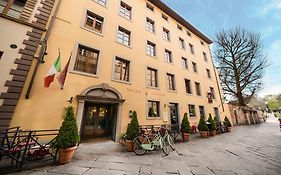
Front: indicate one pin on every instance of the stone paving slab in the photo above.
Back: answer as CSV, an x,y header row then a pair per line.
x,y
247,150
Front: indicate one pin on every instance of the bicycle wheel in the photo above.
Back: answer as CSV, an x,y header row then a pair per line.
x,y
165,147
137,146
171,142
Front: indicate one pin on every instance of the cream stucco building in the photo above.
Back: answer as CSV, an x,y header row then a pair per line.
x,y
124,56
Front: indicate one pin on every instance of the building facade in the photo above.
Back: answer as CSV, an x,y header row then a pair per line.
x,y
124,56
22,25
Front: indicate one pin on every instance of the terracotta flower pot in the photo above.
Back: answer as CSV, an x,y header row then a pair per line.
x,y
65,155
228,129
185,137
213,132
204,134
129,145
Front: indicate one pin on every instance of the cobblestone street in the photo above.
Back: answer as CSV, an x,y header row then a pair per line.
x,y
246,150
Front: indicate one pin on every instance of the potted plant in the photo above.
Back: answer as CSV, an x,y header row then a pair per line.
x,y
213,127
185,128
68,137
228,124
203,128
133,131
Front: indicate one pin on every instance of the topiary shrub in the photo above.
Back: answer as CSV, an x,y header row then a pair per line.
x,y
133,129
228,124
185,125
212,122
68,135
202,126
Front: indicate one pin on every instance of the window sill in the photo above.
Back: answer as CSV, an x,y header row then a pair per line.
x,y
173,91
151,87
121,81
83,74
189,94
92,31
171,63
155,57
153,118
105,6
124,45
130,20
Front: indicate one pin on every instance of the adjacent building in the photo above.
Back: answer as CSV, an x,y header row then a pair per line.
x,y
22,25
124,56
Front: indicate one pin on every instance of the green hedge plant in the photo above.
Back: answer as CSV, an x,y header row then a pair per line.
x,y
68,135
185,125
133,129
202,126
212,122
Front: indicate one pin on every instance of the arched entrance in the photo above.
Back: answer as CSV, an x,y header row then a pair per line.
x,y
99,111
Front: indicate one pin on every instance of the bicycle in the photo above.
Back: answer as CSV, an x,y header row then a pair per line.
x,y
144,143
167,137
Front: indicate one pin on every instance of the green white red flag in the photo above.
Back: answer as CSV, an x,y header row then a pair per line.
x,y
56,67
62,76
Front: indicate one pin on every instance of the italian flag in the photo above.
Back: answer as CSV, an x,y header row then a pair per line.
x,y
56,67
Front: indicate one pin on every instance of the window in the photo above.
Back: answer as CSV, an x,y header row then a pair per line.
x,y
102,2
202,43
171,82
184,63
191,110
202,111
164,17
94,22
212,90
86,60
150,48
182,45
194,65
208,73
179,27
188,33
125,10
187,86
166,34
205,56
12,7
191,48
217,114
121,70
152,77
123,36
150,25
150,7
1,54
198,89
168,56
153,108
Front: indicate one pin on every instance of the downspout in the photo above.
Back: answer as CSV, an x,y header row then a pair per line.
x,y
217,81
42,49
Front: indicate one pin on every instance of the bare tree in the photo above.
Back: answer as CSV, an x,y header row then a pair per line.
x,y
241,63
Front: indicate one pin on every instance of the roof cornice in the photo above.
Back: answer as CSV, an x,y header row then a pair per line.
x,y
161,5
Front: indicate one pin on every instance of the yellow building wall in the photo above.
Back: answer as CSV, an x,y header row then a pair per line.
x,y
45,107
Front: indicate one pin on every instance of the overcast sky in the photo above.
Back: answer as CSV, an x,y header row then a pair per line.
x,y
261,16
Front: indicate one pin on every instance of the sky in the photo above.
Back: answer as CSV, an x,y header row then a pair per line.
x,y
259,16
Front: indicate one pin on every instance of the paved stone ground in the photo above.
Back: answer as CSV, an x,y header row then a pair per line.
x,y
247,150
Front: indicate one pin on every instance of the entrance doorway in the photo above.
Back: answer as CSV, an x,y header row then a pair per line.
x,y
99,121
174,117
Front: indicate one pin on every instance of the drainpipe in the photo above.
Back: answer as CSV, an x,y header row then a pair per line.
x,y
42,49
217,81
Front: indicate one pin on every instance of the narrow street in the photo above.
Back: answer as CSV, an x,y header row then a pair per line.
x,y
246,150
